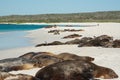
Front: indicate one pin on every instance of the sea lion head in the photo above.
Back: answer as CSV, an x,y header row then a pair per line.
x,y
105,73
110,74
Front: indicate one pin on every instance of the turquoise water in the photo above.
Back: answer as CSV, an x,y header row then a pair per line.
x,y
18,27
13,36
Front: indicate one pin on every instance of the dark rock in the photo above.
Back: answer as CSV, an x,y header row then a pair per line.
x,y
69,56
75,70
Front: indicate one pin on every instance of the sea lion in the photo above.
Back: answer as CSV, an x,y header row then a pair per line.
x,y
30,55
66,70
8,76
45,60
41,58
75,70
103,41
69,56
103,72
11,64
72,36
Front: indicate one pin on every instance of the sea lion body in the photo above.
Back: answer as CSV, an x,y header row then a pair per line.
x,y
66,70
8,76
69,56
10,64
45,60
75,70
30,55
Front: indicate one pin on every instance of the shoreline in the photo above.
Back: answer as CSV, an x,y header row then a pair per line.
x,y
18,40
108,57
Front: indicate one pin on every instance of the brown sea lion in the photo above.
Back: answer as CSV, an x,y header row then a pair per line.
x,y
41,58
30,55
69,56
45,60
103,41
11,64
103,72
8,76
72,36
75,70
116,43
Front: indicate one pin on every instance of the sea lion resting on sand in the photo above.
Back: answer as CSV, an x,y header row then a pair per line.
x,y
30,55
47,58
69,56
63,56
8,76
75,70
11,64
42,58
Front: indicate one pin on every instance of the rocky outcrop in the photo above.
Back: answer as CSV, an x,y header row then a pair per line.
x,y
8,76
72,36
75,70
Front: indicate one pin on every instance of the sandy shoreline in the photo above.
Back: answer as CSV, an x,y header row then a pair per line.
x,y
108,57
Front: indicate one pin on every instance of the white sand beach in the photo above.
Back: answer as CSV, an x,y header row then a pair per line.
x,y
107,57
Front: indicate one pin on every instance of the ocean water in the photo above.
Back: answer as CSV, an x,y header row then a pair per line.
x,y
13,36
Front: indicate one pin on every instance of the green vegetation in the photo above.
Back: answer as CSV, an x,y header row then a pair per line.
x,y
107,16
